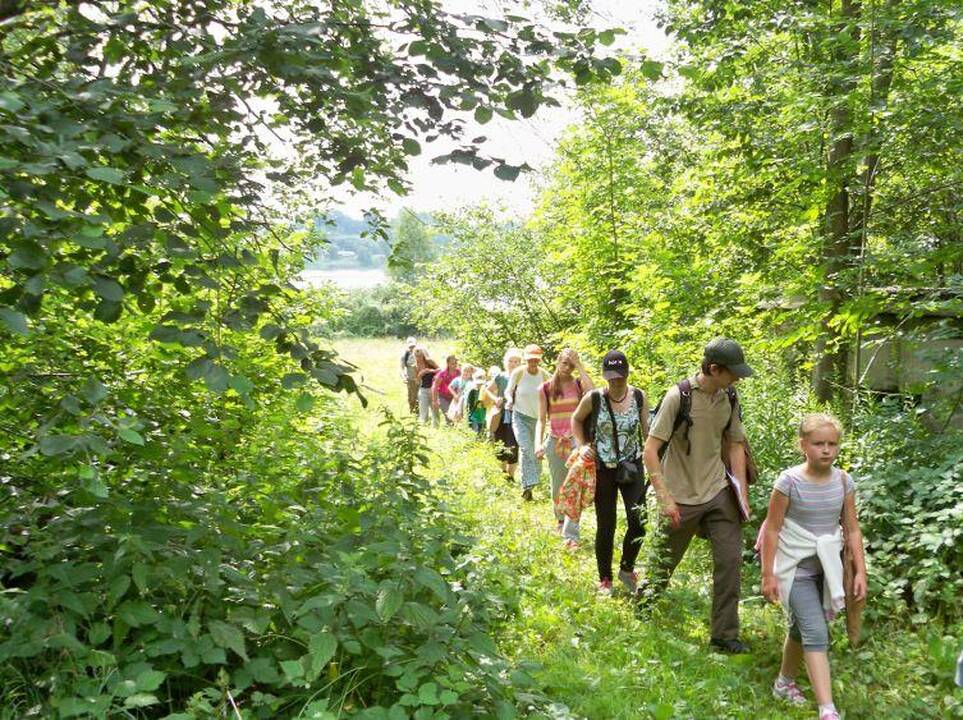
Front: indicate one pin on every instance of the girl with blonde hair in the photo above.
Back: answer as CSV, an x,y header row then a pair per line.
x,y
812,514
557,399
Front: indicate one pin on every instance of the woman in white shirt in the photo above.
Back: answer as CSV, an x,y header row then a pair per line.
x,y
522,394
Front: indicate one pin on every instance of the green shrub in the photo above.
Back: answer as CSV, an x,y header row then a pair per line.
x,y
318,581
384,310
910,484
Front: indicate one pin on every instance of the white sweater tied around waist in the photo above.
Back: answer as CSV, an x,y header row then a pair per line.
x,y
796,544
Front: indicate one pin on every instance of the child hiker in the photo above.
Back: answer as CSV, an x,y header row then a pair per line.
x,y
474,408
812,514
557,399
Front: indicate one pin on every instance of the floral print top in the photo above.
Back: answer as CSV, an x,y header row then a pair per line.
x,y
627,425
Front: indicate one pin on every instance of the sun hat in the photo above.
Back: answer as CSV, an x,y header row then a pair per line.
x,y
411,341
532,352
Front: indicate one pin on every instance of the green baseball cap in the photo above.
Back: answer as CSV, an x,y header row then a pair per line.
x,y
728,353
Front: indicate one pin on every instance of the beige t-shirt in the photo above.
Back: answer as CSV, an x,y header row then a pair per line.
x,y
698,476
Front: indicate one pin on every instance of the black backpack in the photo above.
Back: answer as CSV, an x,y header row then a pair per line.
x,y
684,417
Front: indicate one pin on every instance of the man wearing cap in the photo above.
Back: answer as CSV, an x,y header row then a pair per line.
x,y
409,374
691,484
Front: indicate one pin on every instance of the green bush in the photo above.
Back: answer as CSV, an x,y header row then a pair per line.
x,y
381,311
910,485
304,576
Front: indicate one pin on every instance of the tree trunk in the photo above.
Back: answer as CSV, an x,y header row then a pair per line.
x,y
832,355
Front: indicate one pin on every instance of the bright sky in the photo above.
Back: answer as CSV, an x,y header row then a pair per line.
x,y
533,140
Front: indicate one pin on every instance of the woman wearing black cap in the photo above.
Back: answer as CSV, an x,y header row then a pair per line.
x,y
610,426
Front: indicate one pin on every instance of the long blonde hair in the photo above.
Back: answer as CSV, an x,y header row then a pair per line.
x,y
555,382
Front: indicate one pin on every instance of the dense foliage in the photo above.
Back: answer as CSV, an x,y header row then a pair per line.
x,y
490,290
176,538
271,568
190,526
382,311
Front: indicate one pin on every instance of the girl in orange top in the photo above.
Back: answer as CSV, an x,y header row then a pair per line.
x,y
557,400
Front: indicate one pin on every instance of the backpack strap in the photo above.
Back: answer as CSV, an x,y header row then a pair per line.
x,y
639,402
733,406
596,396
842,512
684,416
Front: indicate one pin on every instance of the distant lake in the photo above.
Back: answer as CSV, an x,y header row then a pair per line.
x,y
346,279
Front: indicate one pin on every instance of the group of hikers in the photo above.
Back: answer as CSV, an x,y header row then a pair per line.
x,y
600,444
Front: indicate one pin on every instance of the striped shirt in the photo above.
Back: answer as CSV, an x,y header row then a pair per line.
x,y
560,409
814,506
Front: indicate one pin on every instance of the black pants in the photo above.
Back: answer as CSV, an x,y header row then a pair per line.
x,y
606,498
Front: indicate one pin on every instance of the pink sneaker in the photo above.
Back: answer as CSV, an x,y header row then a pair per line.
x,y
829,715
789,692
605,588
571,545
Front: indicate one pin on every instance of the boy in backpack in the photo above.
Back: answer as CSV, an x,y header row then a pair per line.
x,y
474,410
684,458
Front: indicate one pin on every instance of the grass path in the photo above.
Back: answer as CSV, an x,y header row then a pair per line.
x,y
600,659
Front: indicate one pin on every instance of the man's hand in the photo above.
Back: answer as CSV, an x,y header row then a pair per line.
x,y
666,502
587,452
671,511
859,586
540,451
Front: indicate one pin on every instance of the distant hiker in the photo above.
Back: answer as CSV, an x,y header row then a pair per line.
x,y
442,390
457,386
409,374
473,407
609,426
522,400
557,400
696,418
426,370
812,515
500,417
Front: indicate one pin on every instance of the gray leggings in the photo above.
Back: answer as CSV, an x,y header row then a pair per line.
x,y
808,625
